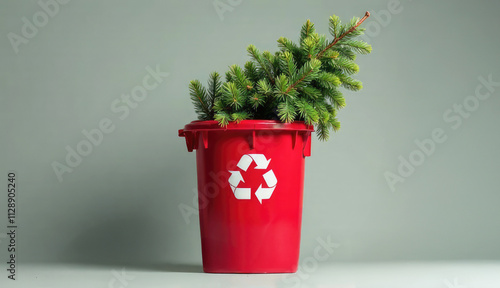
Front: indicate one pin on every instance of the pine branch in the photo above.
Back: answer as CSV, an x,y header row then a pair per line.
x,y
287,45
214,92
223,118
322,130
288,64
311,67
286,111
239,77
350,83
264,87
334,25
310,92
298,82
336,98
310,45
199,98
255,54
251,71
337,39
358,46
282,86
240,116
328,80
257,100
232,95
345,65
343,51
307,29
307,111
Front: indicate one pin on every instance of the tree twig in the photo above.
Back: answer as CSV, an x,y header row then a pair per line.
x,y
367,14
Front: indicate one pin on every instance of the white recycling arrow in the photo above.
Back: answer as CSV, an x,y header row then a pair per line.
x,y
260,163
235,178
242,193
264,193
270,178
260,160
245,162
271,181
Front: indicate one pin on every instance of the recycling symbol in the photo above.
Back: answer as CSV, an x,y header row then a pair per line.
x,y
269,177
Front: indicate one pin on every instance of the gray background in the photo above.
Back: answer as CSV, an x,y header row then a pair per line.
x,y
120,205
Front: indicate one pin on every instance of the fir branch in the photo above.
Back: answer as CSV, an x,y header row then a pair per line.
x,y
307,29
264,87
287,45
298,82
214,92
282,86
334,25
288,63
199,98
307,111
310,45
257,56
239,77
322,130
310,68
229,77
223,118
240,116
336,98
358,46
350,83
344,51
251,71
346,65
257,100
337,39
286,111
232,95
328,80
310,92
271,63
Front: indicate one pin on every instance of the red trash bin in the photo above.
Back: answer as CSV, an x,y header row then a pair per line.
x,y
250,184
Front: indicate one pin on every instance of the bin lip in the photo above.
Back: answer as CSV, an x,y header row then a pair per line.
x,y
211,125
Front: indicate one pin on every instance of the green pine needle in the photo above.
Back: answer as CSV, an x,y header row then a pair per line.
x,y
286,111
307,29
223,118
200,100
240,116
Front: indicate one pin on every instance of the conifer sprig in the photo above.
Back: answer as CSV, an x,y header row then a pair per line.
x,y
299,82
337,39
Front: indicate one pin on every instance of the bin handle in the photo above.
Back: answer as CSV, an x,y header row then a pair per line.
x,y
188,135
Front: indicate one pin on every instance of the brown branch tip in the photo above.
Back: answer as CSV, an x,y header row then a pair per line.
x,y
367,14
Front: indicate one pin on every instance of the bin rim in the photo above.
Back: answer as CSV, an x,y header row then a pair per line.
x,y
212,125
